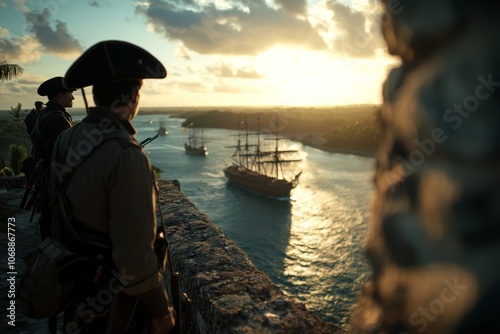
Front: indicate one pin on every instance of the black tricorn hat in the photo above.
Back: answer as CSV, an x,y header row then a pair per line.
x,y
109,61
53,86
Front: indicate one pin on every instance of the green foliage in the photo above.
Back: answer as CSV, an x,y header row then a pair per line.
x,y
12,132
156,172
354,131
17,154
17,112
351,128
4,169
9,71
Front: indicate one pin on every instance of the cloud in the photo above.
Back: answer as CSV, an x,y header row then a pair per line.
x,y
246,73
226,71
245,28
191,86
355,34
221,70
94,4
24,49
182,53
24,85
228,88
293,6
57,41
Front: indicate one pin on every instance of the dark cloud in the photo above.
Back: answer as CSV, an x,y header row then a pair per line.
x,y
15,89
9,48
94,4
354,38
293,6
57,40
23,49
247,28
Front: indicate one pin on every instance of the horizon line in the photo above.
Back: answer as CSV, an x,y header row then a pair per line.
x,y
235,106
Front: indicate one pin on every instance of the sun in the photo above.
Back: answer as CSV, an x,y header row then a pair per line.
x,y
304,78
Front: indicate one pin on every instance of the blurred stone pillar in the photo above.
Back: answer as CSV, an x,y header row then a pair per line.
x,y
434,239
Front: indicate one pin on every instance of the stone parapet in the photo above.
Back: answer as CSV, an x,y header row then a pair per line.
x,y
433,238
227,292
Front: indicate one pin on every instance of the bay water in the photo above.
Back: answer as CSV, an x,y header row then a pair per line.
x,y
310,245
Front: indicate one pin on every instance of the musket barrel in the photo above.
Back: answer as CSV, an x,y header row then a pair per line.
x,y
148,140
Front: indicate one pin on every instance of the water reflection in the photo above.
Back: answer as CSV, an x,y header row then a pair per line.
x,y
263,230
312,245
324,264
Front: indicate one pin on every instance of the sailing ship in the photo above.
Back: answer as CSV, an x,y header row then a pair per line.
x,y
268,172
196,142
162,129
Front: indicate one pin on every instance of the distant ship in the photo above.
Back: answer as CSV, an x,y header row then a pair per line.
x,y
162,129
272,173
196,142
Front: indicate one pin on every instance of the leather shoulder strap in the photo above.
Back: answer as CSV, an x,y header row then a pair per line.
x,y
65,160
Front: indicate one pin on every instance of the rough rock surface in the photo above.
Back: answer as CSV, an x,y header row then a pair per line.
x,y
434,238
27,237
228,294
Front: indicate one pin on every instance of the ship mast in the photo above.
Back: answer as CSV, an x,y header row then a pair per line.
x,y
276,161
252,157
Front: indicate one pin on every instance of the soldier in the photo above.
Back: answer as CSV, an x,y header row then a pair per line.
x,y
50,122
106,180
30,119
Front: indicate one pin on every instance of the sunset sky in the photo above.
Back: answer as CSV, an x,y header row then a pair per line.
x,y
217,52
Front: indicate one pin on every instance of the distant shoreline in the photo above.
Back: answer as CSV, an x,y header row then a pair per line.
x,y
182,109
308,137
305,140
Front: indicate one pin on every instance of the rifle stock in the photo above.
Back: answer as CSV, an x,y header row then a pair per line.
x,y
181,303
30,183
180,300
27,191
123,307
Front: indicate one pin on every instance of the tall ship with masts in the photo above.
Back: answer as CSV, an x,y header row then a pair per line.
x,y
268,171
196,142
162,129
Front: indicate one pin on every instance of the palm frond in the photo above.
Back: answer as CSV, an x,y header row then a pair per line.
x,y
9,71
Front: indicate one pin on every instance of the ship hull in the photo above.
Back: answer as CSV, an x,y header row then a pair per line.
x,y
162,131
200,150
258,183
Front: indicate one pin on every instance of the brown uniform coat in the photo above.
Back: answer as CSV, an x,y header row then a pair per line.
x,y
112,192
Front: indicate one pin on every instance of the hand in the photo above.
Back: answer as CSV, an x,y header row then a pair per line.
x,y
163,325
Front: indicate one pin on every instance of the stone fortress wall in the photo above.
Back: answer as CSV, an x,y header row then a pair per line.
x,y
433,242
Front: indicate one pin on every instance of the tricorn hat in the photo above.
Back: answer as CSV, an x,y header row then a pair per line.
x,y
109,61
53,86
